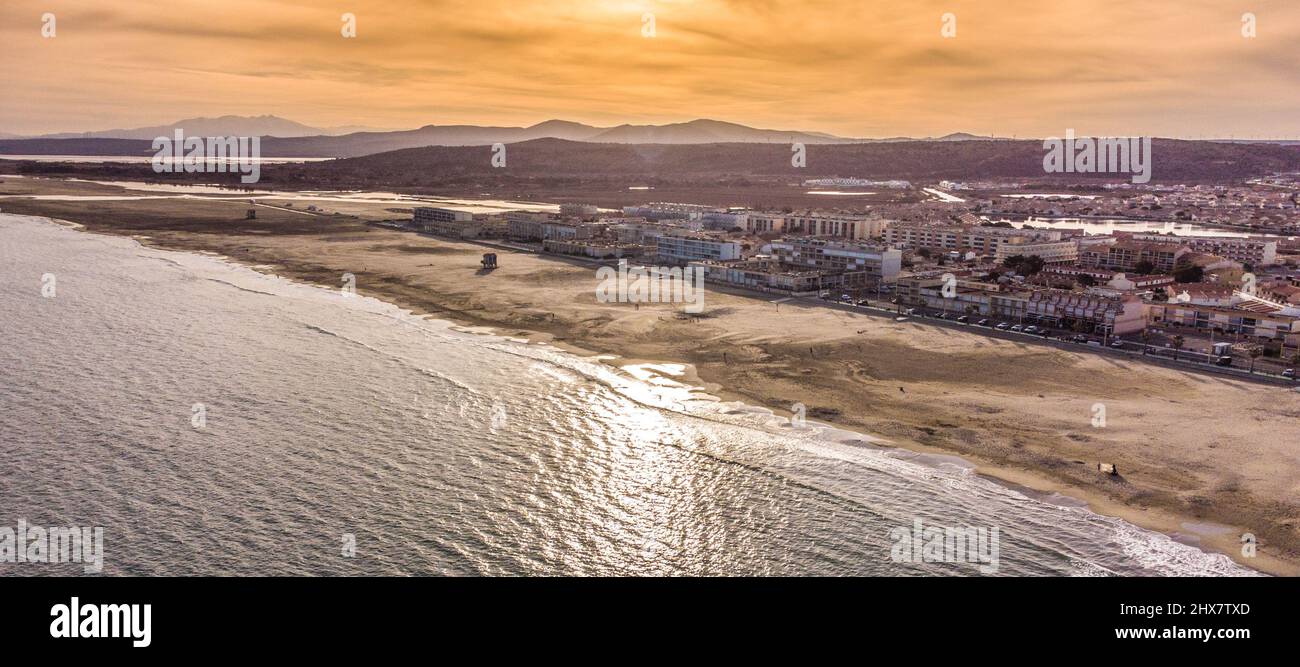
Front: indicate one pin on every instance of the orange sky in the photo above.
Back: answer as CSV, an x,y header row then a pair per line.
x,y
855,67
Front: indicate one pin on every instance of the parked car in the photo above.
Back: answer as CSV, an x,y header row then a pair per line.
x,y
1223,361
1003,326
1031,329
910,311
963,319
1017,328
900,319
1289,373
982,323
1117,344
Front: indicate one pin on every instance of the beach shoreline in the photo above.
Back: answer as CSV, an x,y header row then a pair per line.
x,y
1010,409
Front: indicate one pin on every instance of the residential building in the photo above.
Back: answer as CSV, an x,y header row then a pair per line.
x,y
682,248
1052,252
879,263
1276,325
526,225
448,222
569,230
1127,255
770,275
595,248
1257,252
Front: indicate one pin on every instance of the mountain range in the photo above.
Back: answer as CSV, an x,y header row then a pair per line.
x,y
240,126
287,138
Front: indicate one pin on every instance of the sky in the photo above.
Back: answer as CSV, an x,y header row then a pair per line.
x,y
859,68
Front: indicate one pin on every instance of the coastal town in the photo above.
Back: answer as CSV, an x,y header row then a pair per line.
x,y
1194,275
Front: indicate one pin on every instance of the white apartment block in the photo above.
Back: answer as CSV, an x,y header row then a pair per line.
x,y
680,249
426,215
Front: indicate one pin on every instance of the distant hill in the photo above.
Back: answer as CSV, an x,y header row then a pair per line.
x,y
705,131
285,138
242,126
556,161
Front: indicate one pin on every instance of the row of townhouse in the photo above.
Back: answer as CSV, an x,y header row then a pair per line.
x,y
1222,319
1053,307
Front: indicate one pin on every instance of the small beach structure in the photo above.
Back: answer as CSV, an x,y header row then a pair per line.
x,y
489,261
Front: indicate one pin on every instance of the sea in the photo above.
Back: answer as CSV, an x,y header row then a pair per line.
x,y
214,419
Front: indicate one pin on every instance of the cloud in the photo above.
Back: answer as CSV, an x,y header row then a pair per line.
x,y
850,67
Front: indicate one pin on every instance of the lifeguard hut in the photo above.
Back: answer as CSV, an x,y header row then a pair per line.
x,y
489,261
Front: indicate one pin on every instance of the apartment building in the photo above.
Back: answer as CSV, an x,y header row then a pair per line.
x,y
526,225
838,225
878,263
1254,251
1052,252
770,275
580,211
425,214
565,230
448,222
1126,255
765,223
594,248
682,248
725,220
982,240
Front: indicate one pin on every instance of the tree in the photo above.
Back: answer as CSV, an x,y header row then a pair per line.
x,y
1189,273
1086,280
1024,265
1144,268
1146,340
1177,341
1255,352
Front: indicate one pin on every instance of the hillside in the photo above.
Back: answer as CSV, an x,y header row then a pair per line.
x,y
556,160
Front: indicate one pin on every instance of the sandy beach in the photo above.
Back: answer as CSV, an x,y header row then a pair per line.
x,y
1202,457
